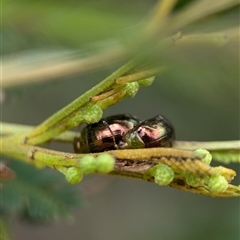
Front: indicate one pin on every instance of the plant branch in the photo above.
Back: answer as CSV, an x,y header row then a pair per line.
x,y
73,107
45,70
140,75
161,12
133,163
222,151
194,12
213,145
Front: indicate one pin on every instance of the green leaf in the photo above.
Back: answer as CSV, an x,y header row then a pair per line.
x,y
37,195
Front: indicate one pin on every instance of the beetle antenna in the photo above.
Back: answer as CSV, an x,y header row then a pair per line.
x,y
106,124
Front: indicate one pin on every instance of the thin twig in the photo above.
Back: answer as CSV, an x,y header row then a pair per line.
x,y
140,75
56,69
130,163
79,102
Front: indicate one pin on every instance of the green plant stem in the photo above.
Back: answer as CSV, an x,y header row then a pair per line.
x,y
213,145
91,109
133,163
64,119
222,151
13,147
12,129
140,75
162,10
143,158
46,70
216,38
79,102
194,12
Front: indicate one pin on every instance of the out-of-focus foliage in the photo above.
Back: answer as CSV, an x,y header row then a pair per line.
x,y
71,23
200,93
37,195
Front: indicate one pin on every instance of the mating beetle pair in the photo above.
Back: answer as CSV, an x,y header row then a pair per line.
x,y
125,131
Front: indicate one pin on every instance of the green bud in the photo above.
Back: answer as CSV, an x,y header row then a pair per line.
x,y
193,180
74,175
88,164
217,184
93,114
205,155
152,170
131,89
163,174
105,163
146,81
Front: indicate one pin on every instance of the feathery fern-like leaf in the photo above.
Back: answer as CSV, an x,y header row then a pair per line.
x,y
37,195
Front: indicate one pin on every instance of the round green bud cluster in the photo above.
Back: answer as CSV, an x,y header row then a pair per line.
x,y
163,174
193,180
217,184
131,89
88,164
205,155
74,175
93,114
104,163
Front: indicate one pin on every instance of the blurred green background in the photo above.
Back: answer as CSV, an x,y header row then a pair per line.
x,y
199,94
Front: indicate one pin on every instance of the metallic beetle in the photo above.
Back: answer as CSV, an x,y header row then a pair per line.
x,y
125,131
154,132
105,135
